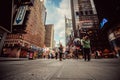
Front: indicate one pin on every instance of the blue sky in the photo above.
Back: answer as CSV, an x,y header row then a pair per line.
x,y
55,2
56,11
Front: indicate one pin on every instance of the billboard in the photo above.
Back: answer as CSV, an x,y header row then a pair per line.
x,y
20,15
6,7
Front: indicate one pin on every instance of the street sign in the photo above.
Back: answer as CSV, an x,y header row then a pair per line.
x,y
20,15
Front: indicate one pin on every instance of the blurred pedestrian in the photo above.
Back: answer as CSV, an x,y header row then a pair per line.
x,y
56,53
97,54
86,48
67,51
60,52
77,50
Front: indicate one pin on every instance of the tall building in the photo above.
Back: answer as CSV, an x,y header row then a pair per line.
x,y
44,12
28,29
49,36
84,19
54,43
68,30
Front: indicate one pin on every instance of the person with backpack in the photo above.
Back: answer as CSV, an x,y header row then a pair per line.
x,y
77,50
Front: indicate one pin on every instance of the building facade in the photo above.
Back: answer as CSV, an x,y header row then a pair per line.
x,y
49,36
110,19
68,30
6,17
28,30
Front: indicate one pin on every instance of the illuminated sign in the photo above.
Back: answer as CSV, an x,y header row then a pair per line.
x,y
20,15
103,22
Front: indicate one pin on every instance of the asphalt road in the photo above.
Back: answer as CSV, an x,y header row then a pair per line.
x,y
51,69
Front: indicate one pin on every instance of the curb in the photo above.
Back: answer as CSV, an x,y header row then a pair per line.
x,y
12,59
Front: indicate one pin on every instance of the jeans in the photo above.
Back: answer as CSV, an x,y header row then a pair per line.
x,y
87,54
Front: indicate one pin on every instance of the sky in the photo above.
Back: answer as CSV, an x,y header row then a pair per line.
x,y
56,12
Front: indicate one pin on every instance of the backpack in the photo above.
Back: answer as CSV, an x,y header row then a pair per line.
x,y
78,44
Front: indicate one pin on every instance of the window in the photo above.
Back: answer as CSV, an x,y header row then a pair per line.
x,y
77,13
81,12
86,12
91,12
6,45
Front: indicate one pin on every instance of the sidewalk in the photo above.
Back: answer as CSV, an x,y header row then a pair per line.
x,y
12,59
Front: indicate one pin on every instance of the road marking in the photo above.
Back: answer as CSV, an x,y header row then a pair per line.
x,y
47,76
60,72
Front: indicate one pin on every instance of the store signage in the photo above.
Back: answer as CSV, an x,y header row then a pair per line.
x,y
20,15
86,24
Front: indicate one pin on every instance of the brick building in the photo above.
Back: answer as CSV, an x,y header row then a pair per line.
x,y
27,36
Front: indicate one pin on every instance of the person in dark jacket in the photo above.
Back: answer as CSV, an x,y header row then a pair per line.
x,y
60,52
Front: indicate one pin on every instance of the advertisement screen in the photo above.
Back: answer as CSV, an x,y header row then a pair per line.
x,y
6,15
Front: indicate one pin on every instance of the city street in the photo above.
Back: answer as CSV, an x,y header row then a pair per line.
x,y
33,33
69,69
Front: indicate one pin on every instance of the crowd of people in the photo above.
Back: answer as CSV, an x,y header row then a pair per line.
x,y
77,49
80,49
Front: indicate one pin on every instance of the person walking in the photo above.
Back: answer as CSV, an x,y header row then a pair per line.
x,y
77,49
60,52
56,53
67,51
86,48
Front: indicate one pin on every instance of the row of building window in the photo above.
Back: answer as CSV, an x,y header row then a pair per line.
x,y
84,1
81,13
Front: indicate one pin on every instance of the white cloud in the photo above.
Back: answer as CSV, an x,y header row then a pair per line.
x,y
62,34
55,15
